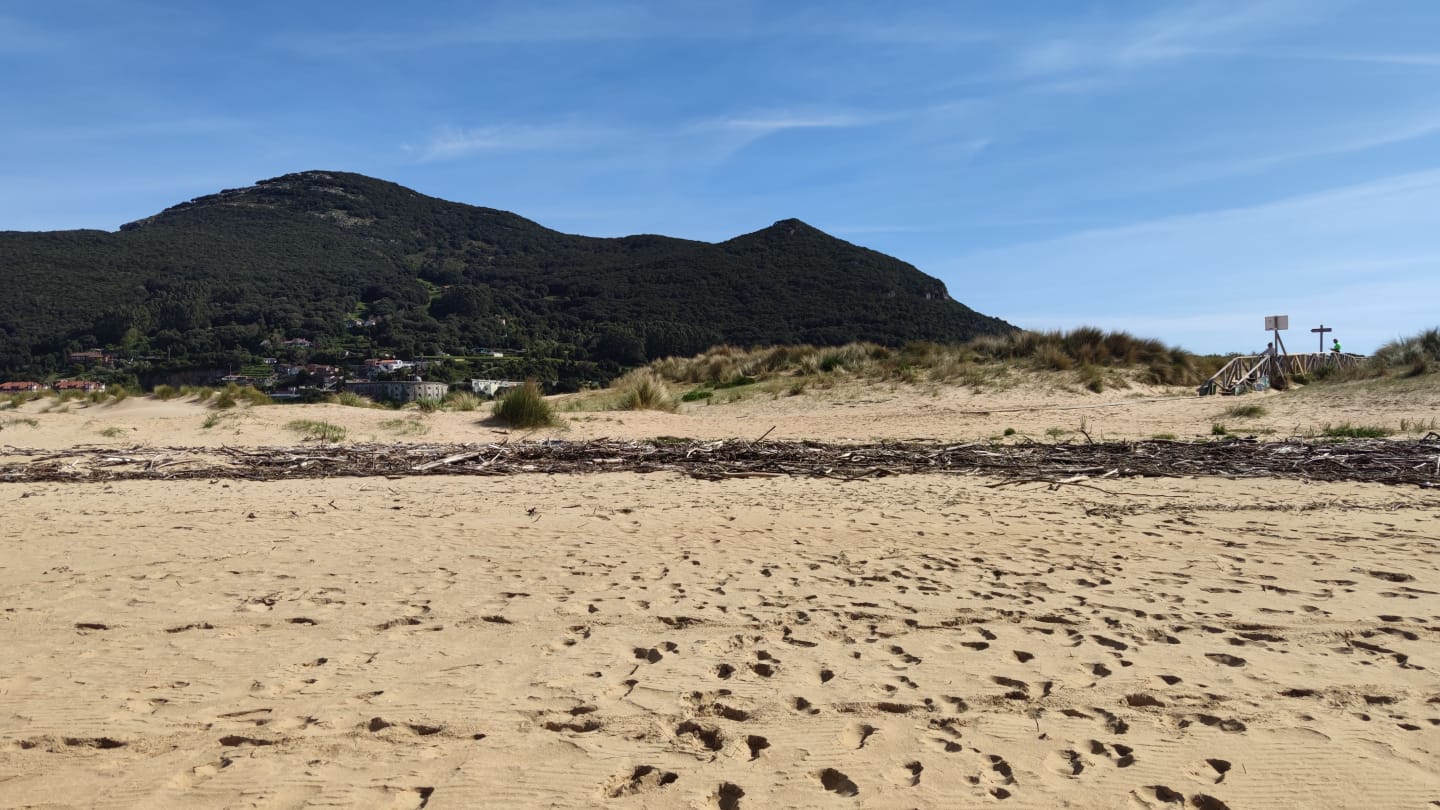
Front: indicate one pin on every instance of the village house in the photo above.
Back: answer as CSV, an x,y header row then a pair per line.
x,y
20,387
79,385
91,357
376,366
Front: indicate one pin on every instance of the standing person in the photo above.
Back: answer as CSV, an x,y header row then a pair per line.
x,y
1336,348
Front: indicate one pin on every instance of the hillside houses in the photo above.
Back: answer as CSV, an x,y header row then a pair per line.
x,y
20,387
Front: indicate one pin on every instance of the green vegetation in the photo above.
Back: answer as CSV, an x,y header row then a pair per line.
x,y
1345,430
360,266
1094,356
215,418
312,430
233,395
112,432
462,401
27,421
350,399
1246,411
412,426
1418,425
1413,356
1219,429
643,389
696,395
165,392
525,407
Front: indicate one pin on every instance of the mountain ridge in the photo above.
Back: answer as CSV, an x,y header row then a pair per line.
x,y
218,280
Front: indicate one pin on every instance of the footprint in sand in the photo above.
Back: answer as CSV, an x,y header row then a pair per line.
x,y
641,779
837,783
856,735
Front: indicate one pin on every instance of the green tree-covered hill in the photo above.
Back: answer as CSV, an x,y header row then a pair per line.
x,y
360,266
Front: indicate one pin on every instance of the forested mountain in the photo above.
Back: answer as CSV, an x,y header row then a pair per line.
x,y
359,267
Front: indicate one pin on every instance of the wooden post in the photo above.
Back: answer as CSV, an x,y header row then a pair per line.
x,y
1322,330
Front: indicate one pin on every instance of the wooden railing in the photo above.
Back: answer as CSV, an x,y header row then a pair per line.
x,y
1259,371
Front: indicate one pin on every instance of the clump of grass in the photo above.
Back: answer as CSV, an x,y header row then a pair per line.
x,y
1092,378
350,399
428,405
28,421
1247,411
696,395
1009,431
1417,425
112,432
233,395
312,430
525,407
1055,432
1219,429
165,392
1165,437
214,419
1345,430
643,390
202,394
406,427
462,401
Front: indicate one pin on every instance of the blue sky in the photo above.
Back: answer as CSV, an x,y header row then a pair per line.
x,y
1178,170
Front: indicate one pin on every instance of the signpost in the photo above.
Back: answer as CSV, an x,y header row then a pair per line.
x,y
1275,324
1322,330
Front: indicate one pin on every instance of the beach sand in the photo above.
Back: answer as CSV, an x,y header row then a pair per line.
x,y
623,640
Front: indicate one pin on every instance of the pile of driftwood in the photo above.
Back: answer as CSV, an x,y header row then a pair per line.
x,y
1380,461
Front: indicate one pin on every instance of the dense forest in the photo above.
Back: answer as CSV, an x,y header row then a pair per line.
x,y
357,267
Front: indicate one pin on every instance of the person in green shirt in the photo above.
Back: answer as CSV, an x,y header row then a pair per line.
x,y
1336,348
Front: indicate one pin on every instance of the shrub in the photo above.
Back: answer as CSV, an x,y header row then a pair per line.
x,y
643,389
350,399
1219,429
112,432
428,405
164,392
462,401
697,394
525,407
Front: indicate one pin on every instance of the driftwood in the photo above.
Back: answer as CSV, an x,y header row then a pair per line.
x,y
1414,462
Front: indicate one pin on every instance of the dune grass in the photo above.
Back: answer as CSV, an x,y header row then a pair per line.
x,y
1246,411
643,389
1090,355
525,407
313,430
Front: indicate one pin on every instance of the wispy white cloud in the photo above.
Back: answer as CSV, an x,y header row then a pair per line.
x,y
725,134
1176,33
1335,250
456,142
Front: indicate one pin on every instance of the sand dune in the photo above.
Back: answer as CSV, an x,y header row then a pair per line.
x,y
618,640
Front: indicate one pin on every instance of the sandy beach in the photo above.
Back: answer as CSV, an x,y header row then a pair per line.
x,y
623,640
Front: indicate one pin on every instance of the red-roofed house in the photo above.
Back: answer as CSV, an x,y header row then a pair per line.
x,y
19,387
79,385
